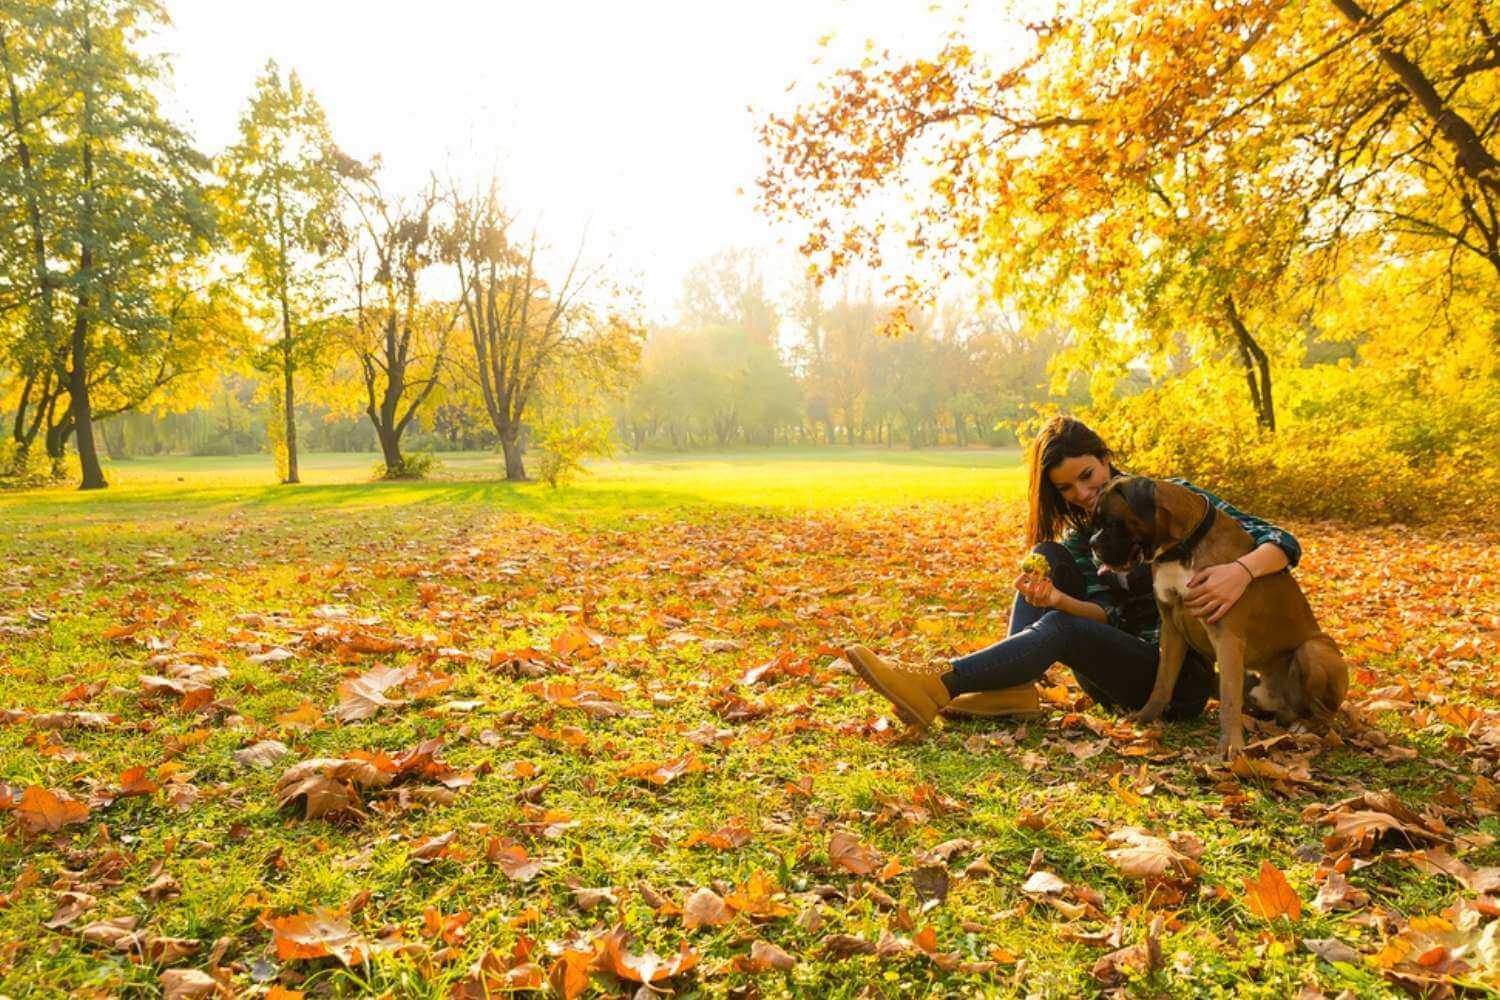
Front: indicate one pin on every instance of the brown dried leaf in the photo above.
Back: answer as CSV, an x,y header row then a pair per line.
x,y
845,851
705,908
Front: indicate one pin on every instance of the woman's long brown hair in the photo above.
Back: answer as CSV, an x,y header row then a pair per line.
x,y
1061,439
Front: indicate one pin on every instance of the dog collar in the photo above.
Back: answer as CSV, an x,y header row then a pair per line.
x,y
1183,550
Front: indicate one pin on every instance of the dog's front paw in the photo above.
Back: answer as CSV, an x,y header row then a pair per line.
x,y
1231,745
1147,713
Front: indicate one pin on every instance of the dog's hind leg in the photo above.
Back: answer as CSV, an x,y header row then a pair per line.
x,y
1320,677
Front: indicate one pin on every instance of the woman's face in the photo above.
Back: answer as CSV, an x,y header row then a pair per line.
x,y
1079,480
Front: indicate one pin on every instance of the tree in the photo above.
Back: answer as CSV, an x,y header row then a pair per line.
x,y
107,194
282,195
399,338
728,289
1161,177
522,327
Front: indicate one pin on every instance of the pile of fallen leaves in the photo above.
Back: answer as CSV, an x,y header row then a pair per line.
x,y
489,755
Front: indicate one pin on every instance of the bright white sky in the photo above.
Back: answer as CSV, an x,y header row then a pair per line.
x,y
629,115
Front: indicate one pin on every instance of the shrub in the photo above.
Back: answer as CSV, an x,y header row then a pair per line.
x,y
416,465
564,448
18,472
1362,443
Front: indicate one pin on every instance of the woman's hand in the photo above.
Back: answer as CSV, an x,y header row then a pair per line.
x,y
1038,590
1213,591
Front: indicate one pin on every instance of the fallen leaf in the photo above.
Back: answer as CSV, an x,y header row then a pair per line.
x,y
261,754
1148,856
1269,895
1337,894
704,908
1331,950
765,957
847,944
44,811
361,697
187,984
647,967
845,850
317,934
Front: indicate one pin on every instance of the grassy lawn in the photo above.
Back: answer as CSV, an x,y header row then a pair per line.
x,y
635,681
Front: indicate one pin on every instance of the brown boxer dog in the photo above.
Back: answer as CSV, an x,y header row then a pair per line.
x,y
1270,631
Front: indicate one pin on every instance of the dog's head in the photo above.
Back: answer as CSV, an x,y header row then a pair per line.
x,y
1123,528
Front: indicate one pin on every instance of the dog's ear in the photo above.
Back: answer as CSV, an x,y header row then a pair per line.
x,y
1140,493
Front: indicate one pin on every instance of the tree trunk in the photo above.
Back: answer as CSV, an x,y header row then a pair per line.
x,y
288,402
78,388
1257,368
78,392
510,443
390,449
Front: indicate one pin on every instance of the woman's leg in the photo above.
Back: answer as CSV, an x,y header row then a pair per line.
x,y
1115,668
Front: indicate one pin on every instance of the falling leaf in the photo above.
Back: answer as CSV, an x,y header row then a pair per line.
x,y
108,932
304,717
496,974
327,785
728,837
163,887
1044,883
134,781
1136,959
591,899
1269,895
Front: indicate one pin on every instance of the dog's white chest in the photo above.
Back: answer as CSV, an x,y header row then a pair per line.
x,y
1170,580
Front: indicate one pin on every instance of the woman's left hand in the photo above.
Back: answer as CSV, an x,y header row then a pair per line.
x,y
1213,591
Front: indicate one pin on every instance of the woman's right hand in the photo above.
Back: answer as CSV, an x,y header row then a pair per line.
x,y
1039,591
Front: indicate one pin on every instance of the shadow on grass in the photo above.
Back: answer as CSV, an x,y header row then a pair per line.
x,y
601,503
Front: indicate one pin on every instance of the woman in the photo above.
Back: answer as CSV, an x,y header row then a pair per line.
x,y
1100,624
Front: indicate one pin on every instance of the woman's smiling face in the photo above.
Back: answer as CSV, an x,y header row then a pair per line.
x,y
1078,480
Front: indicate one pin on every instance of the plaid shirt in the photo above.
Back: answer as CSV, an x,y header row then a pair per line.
x,y
1129,602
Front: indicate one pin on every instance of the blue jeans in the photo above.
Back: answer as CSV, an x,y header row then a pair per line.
x,y
1113,667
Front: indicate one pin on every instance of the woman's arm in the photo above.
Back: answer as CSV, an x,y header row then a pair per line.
x,y
1214,589
1041,592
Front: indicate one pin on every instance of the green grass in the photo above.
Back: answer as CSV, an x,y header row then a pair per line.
x,y
789,553
774,479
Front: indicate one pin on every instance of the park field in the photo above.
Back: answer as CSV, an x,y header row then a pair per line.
x,y
459,738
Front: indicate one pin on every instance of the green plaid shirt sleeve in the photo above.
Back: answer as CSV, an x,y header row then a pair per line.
x,y
1098,593
1261,531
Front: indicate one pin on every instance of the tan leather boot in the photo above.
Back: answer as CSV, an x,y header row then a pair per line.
x,y
1020,700
917,697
